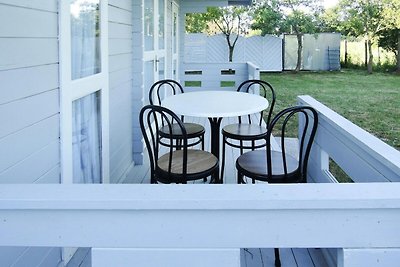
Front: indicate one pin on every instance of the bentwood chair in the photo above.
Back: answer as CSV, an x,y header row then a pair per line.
x,y
194,131
277,166
172,166
235,135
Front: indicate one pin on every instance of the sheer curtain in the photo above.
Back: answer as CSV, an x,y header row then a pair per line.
x,y
85,61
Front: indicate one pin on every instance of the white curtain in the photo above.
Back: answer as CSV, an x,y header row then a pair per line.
x,y
86,140
85,58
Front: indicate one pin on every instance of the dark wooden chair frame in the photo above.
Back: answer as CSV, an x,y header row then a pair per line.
x,y
175,88
226,136
150,119
306,140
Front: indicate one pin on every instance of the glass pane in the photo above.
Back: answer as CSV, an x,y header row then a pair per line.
x,y
148,25
161,23
85,38
86,139
175,33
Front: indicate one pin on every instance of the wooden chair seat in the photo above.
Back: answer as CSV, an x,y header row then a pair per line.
x,y
192,130
179,164
244,131
252,164
199,162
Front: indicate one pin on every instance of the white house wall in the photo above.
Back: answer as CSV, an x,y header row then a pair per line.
x,y
29,107
121,84
30,102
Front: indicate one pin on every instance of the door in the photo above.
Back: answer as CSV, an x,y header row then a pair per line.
x,y
154,43
83,94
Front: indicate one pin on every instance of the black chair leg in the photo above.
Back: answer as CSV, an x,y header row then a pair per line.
x,y
240,178
223,159
277,258
202,148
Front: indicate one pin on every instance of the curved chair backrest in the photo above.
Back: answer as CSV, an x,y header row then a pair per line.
x,y
151,118
307,127
265,90
160,88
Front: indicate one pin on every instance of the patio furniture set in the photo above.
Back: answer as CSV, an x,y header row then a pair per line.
x,y
170,141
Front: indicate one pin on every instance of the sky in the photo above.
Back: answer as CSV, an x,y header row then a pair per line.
x,y
329,3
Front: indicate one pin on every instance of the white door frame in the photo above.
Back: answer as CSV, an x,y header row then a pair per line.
x,y
175,40
71,90
156,54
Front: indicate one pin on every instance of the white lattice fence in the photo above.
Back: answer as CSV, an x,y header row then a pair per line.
x,y
265,52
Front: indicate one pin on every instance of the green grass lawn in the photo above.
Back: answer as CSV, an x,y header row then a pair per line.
x,y
370,101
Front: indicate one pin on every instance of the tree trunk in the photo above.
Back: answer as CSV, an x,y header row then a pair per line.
x,y
231,48
371,57
398,53
299,51
345,53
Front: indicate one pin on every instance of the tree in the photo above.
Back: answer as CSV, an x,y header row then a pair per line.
x,y
231,21
362,18
196,22
294,16
268,18
390,36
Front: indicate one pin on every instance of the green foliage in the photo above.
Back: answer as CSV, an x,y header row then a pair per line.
x,y
389,39
268,18
196,23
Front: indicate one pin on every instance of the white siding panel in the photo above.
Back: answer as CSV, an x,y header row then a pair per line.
x,y
120,62
20,83
117,30
120,46
36,165
124,4
24,143
119,15
51,177
120,82
15,116
37,4
120,77
120,171
27,52
33,20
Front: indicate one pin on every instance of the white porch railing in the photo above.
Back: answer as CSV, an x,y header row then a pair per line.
x,y
122,223
361,155
217,76
146,225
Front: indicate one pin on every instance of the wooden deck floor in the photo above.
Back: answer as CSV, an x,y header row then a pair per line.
x,y
254,257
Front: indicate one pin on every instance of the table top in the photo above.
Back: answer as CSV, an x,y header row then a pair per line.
x,y
215,104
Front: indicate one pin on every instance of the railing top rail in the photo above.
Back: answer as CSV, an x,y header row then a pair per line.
x,y
369,143
200,216
195,197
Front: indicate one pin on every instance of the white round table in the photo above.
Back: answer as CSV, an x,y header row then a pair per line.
x,y
215,105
